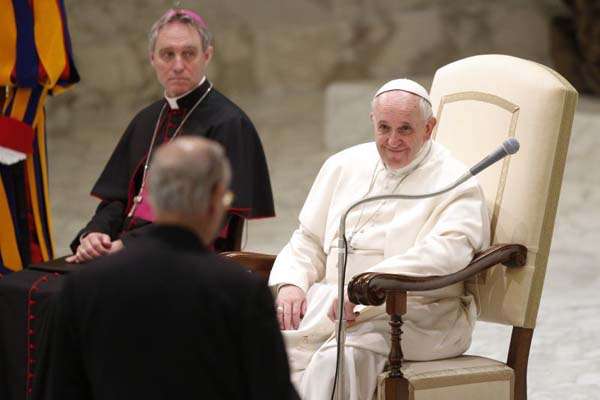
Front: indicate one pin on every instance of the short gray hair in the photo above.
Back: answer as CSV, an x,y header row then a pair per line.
x,y
426,110
184,173
424,107
183,16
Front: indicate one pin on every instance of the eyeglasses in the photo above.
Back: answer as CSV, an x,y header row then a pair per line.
x,y
228,198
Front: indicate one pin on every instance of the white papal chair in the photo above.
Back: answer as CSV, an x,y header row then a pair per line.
x,y
479,102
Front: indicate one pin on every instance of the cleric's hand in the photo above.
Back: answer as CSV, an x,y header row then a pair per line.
x,y
349,314
116,246
93,245
291,307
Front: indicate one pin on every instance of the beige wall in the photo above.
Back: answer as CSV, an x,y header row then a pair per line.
x,y
275,58
271,46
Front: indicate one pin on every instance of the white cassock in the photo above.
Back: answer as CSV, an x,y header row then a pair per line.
x,y
434,236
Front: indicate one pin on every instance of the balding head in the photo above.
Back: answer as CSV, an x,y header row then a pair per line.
x,y
184,174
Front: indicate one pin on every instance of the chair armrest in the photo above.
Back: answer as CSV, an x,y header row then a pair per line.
x,y
370,288
255,262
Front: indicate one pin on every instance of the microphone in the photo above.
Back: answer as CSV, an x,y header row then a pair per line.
x,y
508,147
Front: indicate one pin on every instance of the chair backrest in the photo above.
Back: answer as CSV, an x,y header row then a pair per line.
x,y
479,102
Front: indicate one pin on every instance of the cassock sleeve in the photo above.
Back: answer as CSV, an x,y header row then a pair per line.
x,y
302,261
112,188
138,232
250,175
108,219
264,358
457,228
67,379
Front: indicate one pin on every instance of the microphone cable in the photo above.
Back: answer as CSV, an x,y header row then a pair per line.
x,y
344,248
340,321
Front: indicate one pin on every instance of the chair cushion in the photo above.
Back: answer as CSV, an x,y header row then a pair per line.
x,y
465,378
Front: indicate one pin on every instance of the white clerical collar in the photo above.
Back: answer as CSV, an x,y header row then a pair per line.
x,y
173,100
414,164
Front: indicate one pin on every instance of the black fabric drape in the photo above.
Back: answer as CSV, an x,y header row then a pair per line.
x,y
25,325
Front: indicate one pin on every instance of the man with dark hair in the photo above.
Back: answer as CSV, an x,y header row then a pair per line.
x,y
180,51
165,318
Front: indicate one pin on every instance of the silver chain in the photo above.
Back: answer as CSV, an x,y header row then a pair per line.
x,y
138,198
357,226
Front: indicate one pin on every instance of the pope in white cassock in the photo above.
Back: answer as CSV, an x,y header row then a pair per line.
x,y
434,236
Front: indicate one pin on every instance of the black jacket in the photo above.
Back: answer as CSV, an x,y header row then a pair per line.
x,y
167,319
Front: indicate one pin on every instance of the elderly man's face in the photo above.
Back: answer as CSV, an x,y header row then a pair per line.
x,y
178,58
400,130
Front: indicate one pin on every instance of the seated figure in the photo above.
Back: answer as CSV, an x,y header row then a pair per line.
x,y
434,236
180,51
166,318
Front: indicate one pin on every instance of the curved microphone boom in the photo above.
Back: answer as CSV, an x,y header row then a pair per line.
x,y
508,147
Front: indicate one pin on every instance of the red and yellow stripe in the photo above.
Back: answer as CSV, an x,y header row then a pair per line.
x,y
35,59
8,41
49,40
11,258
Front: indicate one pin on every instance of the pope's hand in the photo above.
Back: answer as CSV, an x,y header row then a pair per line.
x,y
94,245
349,314
291,306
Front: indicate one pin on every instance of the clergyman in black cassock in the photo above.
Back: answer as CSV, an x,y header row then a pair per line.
x,y
165,317
181,49
216,118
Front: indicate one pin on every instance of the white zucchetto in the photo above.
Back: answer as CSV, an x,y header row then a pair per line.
x,y
405,85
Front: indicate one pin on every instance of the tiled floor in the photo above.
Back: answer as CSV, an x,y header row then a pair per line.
x,y
565,358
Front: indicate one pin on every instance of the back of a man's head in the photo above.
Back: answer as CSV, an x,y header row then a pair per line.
x,y
184,174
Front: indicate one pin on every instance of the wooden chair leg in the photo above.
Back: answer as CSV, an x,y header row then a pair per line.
x,y
396,385
396,388
518,357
